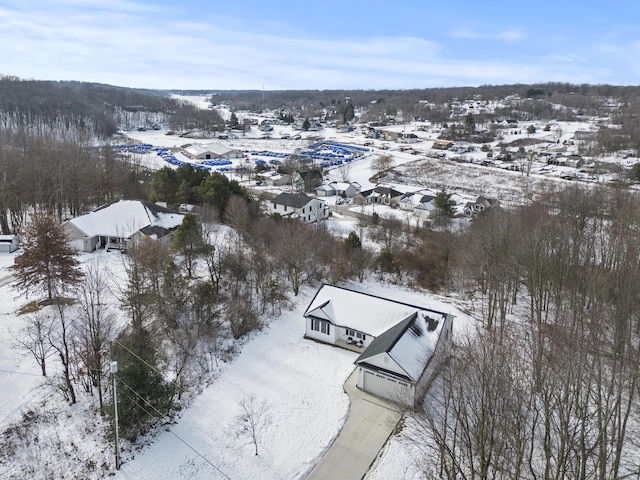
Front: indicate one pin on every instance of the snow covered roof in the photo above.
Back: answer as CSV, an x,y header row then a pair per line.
x,y
410,343
362,311
295,200
417,198
125,217
215,148
325,188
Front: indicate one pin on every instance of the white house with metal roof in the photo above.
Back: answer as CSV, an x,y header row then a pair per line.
x,y
118,224
400,344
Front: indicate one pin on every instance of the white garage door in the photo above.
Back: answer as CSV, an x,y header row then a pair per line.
x,y
77,245
385,387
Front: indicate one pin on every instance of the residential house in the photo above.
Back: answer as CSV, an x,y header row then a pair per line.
x,y
389,136
410,200
8,243
400,344
300,205
325,190
442,144
346,189
274,179
419,203
121,224
480,205
408,138
379,194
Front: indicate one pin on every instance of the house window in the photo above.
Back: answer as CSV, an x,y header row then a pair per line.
x,y
321,326
357,334
285,208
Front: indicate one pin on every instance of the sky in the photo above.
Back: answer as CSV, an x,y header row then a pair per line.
x,y
322,44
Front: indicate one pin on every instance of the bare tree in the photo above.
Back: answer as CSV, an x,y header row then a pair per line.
x,y
34,338
94,326
381,163
61,341
253,419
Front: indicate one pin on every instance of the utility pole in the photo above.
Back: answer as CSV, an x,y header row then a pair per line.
x,y
114,370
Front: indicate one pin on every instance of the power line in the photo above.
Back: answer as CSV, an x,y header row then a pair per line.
x,y
155,369
170,431
139,358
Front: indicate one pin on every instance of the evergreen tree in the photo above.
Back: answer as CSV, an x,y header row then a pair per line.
x,y
445,206
188,242
348,113
233,121
217,189
143,393
48,263
353,241
165,185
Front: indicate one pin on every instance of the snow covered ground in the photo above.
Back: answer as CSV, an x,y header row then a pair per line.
x,y
300,382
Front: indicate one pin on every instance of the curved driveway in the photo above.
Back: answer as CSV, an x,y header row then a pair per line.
x,y
370,423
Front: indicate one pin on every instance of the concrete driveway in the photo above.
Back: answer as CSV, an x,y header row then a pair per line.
x,y
370,423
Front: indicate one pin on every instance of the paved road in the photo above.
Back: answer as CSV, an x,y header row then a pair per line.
x,y
370,423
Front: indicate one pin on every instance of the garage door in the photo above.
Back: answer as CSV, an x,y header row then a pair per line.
x,y
385,387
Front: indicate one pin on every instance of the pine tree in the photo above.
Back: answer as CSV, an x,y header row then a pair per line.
x,y
353,241
143,393
444,204
49,263
187,240
233,121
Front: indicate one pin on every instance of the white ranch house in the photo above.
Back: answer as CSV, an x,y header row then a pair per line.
x,y
345,189
300,205
400,344
120,224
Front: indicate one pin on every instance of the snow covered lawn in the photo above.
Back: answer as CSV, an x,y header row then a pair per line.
x,y
301,382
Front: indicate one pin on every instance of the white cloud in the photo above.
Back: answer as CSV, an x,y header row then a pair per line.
x,y
509,35
566,58
125,43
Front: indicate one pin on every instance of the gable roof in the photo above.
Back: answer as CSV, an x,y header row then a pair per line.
x,y
214,148
416,198
382,191
295,200
410,344
123,218
361,311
